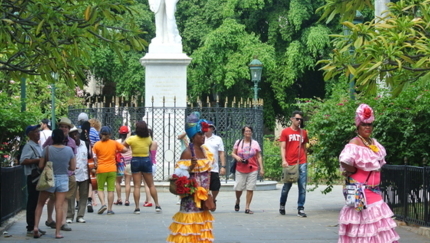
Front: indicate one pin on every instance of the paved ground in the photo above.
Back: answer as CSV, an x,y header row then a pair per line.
x,y
266,225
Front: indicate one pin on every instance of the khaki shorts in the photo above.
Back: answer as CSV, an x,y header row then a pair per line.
x,y
246,181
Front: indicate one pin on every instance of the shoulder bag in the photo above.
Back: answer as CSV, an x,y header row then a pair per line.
x,y
46,179
290,174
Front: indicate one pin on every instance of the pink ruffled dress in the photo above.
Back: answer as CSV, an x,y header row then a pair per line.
x,y
374,223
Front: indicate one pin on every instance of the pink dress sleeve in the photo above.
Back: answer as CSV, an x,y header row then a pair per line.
x,y
362,157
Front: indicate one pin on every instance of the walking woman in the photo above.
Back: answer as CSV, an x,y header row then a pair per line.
x,y
141,164
105,164
193,223
246,152
153,155
368,218
63,159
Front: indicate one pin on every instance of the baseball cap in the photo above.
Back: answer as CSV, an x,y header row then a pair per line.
x,y
105,130
123,130
31,128
211,124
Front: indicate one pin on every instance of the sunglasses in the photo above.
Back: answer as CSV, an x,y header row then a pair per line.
x,y
298,119
366,124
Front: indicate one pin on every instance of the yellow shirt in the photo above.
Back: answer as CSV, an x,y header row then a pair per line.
x,y
139,146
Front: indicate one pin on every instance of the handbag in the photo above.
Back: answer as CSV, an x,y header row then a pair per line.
x,y
173,187
290,174
46,179
208,204
354,194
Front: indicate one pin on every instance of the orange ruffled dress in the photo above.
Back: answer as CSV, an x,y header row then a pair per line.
x,y
192,224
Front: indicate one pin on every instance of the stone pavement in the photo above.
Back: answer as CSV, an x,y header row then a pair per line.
x,y
266,225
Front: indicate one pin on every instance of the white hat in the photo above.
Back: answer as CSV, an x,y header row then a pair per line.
x,y
74,128
83,117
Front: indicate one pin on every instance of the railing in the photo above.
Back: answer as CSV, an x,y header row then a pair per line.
x,y
13,191
168,122
406,190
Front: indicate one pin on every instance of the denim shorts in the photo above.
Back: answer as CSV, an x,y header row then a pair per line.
x,y
141,164
61,184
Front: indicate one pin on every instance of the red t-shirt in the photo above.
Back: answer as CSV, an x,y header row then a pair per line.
x,y
292,143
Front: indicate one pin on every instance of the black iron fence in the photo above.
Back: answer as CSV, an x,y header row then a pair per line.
x,y
406,190
13,191
168,122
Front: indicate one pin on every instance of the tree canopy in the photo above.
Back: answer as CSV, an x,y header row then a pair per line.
x,y
44,37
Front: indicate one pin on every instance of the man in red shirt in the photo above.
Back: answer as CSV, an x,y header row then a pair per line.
x,y
293,150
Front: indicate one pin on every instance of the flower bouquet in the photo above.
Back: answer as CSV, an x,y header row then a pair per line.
x,y
182,186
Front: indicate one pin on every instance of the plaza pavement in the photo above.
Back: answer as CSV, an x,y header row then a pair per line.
x,y
266,225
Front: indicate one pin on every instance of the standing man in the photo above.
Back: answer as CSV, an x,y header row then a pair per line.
x,y
64,124
293,150
45,132
82,179
31,153
216,146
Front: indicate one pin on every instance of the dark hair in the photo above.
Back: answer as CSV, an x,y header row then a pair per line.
x,y
122,136
142,129
86,126
297,113
249,127
151,133
57,136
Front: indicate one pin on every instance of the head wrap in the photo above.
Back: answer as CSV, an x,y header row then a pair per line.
x,y
194,124
364,113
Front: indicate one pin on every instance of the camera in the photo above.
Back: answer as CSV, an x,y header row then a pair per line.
x,y
245,161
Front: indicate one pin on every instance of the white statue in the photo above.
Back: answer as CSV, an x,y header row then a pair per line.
x,y
166,30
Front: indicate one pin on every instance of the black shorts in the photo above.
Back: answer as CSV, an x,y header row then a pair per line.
x,y
215,182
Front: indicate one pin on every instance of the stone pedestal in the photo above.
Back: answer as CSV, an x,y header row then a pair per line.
x,y
165,75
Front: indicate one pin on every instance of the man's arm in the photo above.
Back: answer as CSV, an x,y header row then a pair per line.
x,y
221,155
27,156
284,161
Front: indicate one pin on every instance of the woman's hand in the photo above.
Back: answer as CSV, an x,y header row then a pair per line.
x,y
193,164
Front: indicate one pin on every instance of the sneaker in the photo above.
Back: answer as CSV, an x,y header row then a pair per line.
x,y
147,204
102,209
69,220
137,211
65,227
282,210
80,220
301,213
157,209
52,224
110,212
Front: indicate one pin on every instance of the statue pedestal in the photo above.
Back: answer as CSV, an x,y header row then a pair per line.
x,y
165,75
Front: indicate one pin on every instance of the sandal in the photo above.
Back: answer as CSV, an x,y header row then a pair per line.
x,y
118,202
127,203
236,207
248,211
37,234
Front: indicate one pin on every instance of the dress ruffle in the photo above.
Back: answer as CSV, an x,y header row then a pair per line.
x,y
191,227
371,225
203,164
363,157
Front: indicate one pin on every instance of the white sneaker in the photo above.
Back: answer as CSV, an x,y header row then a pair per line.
x,y
80,220
69,220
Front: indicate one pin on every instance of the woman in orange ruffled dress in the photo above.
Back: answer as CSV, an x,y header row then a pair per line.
x,y
192,223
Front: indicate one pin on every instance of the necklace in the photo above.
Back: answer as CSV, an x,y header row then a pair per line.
x,y
373,147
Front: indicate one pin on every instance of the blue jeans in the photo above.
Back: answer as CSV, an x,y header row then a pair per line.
x,y
303,177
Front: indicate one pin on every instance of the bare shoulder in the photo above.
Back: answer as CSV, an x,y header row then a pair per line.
x,y
354,141
186,154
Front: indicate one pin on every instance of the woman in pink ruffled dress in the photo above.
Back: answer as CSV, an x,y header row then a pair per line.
x,y
368,220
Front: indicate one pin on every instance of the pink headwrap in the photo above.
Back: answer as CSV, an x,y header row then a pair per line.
x,y
364,113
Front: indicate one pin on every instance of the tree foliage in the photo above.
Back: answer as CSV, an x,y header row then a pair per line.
x,y
42,37
394,50
399,126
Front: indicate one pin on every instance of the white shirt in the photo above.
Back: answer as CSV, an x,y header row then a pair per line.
x,y
81,172
44,134
215,145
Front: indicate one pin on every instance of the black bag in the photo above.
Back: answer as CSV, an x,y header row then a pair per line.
x,y
35,175
233,166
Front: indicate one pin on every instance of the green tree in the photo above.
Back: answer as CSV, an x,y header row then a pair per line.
x,y
41,37
394,50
